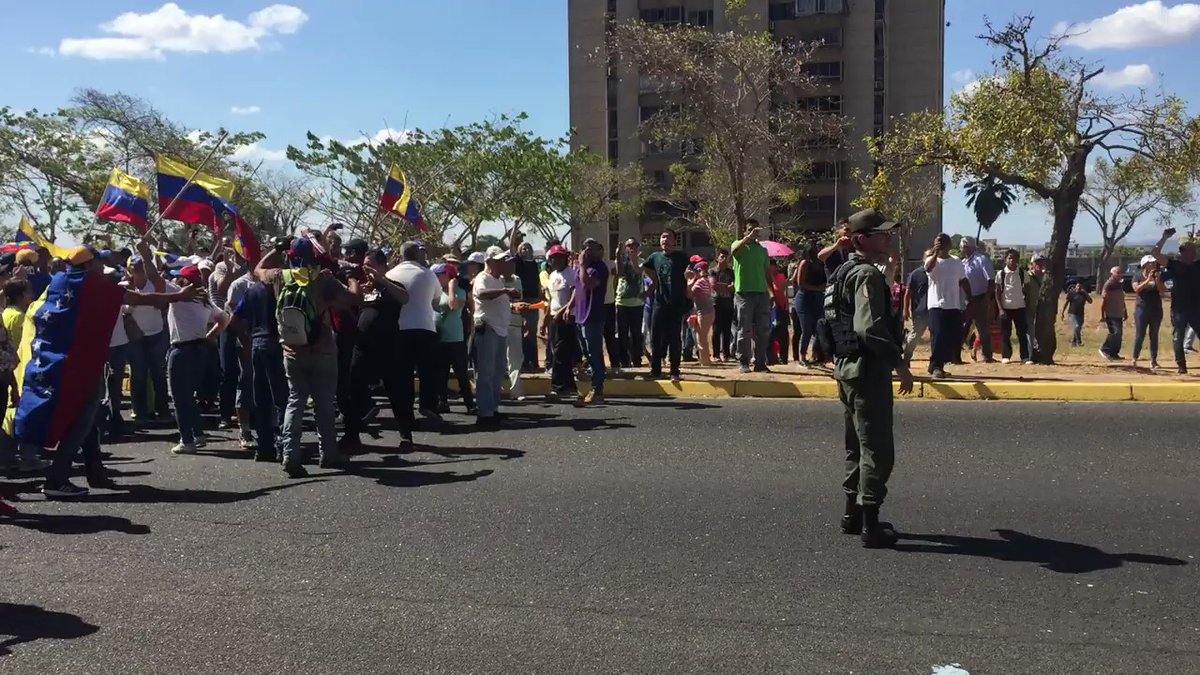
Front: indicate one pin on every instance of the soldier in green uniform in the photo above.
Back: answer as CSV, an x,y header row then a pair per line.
x,y
869,350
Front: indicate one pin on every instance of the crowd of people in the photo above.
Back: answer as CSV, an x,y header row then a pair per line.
x,y
324,321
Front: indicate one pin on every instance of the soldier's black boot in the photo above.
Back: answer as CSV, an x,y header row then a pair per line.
x,y
876,534
852,519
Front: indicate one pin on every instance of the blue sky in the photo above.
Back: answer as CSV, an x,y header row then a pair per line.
x,y
345,69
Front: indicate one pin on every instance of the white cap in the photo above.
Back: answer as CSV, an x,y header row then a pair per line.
x,y
1146,260
477,257
496,253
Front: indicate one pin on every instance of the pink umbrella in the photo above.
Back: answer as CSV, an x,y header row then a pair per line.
x,y
777,250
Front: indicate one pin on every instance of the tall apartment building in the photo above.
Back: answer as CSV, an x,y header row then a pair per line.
x,y
880,58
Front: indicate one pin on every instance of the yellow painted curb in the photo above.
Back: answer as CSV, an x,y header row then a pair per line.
x,y
686,389
801,389
1027,391
1167,392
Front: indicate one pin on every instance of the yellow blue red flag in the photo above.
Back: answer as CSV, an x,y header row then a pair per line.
x,y
193,203
27,235
398,198
125,200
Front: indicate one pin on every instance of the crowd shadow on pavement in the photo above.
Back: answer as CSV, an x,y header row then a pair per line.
x,y
399,473
27,623
148,494
671,404
1057,556
51,523
523,421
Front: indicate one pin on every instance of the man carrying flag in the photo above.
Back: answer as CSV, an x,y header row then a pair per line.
x,y
125,200
397,198
64,348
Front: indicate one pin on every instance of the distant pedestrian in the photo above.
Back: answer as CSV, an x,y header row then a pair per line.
x,y
722,278
493,307
630,291
810,279
665,270
916,309
701,293
948,289
1185,294
565,345
1010,300
590,287
1113,314
452,340
1076,302
752,298
980,279
1147,308
777,350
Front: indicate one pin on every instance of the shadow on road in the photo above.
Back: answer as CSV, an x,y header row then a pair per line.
x,y
27,623
407,478
50,523
672,405
1058,556
148,494
525,420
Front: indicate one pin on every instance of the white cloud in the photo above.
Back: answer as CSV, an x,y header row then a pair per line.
x,y
964,76
1138,75
245,110
386,134
255,153
41,51
172,29
1150,24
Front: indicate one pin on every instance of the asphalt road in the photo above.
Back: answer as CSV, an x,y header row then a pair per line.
x,y
654,537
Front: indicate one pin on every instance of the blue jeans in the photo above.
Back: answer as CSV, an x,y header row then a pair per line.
x,y
593,339
117,358
310,375
231,373
185,371
1146,320
491,355
529,344
148,362
270,393
1112,344
1076,329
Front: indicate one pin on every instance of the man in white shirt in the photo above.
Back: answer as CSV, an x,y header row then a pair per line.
x,y
493,309
564,341
1010,299
188,324
978,268
948,289
418,345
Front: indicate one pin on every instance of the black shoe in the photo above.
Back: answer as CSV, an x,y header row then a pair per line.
x,y
877,534
101,482
266,457
488,423
852,517
761,369
349,443
653,375
295,469
335,461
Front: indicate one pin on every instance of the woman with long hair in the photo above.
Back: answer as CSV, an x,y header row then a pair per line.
x,y
810,280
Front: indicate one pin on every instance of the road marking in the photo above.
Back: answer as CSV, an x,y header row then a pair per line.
x,y
951,669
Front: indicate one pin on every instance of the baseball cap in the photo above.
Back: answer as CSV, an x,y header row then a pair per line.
x,y
589,242
870,220
477,257
696,259
27,257
355,245
440,268
206,265
301,253
192,274
496,253
1040,258
1146,260
556,250
701,266
451,258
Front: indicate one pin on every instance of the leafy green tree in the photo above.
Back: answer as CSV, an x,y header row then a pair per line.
x,y
1034,124
1123,192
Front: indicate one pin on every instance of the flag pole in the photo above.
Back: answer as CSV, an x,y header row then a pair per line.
x,y
196,172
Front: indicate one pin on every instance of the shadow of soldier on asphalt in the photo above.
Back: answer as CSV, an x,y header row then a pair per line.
x,y
50,523
148,494
1057,556
27,623
405,478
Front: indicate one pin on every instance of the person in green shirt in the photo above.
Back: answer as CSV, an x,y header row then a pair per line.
x,y
865,378
752,284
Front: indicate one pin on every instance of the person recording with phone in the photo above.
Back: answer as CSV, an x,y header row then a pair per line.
x,y
1184,273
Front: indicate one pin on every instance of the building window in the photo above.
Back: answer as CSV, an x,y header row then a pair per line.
x,y
811,7
613,152
824,70
826,37
829,104
816,204
648,111
823,172
612,124
669,15
880,113
612,6
702,18
782,11
880,8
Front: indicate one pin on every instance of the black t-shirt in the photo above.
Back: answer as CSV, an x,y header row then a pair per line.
x,y
671,285
1186,279
1149,297
257,311
531,280
835,261
918,287
1076,301
379,319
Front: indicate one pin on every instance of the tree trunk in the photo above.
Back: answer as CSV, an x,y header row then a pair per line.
x,y
978,232
1105,255
1066,207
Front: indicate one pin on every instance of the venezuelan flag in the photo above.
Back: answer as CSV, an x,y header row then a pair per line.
x,y
27,235
125,200
245,242
397,198
194,203
63,350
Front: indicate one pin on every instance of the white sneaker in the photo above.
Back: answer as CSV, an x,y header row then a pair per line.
x,y
1029,363
1005,360
184,449
247,443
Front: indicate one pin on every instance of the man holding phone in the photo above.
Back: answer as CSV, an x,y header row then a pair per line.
x,y
1185,294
